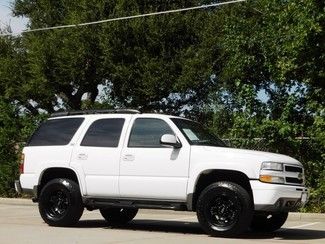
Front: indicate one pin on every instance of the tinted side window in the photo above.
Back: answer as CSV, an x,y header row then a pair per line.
x,y
147,132
103,133
55,132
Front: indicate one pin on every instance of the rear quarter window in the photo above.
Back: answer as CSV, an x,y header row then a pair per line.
x,y
55,132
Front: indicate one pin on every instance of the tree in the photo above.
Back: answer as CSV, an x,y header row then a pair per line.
x,y
275,48
13,71
151,63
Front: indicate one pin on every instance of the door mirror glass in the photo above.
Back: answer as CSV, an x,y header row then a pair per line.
x,y
170,140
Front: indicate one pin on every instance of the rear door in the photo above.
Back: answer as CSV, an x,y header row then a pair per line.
x,y
98,153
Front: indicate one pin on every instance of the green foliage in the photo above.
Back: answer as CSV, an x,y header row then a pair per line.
x,y
273,40
8,148
14,131
317,196
145,59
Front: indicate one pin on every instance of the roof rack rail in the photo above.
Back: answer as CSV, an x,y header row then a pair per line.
x,y
96,111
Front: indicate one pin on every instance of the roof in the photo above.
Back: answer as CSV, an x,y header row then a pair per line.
x,y
96,111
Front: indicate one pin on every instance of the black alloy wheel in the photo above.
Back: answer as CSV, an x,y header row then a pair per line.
x,y
224,209
60,202
57,204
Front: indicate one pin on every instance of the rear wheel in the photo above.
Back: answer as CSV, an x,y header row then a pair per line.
x,y
268,222
60,203
118,215
224,209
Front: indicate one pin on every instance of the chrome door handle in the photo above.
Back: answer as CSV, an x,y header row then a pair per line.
x,y
128,157
82,156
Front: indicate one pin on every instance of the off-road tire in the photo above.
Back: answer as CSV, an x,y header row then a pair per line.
x,y
224,209
60,202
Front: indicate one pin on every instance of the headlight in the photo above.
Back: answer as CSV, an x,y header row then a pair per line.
x,y
272,166
272,172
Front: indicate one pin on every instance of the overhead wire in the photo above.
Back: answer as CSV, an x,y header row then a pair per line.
x,y
122,18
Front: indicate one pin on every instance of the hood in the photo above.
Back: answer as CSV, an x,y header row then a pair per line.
x,y
257,156
225,158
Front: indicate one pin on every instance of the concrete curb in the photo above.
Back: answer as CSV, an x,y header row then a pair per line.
x,y
306,217
16,201
292,216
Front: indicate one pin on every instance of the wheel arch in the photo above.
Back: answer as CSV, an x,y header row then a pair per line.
x,y
54,173
207,177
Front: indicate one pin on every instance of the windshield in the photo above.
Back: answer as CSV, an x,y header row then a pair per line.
x,y
196,134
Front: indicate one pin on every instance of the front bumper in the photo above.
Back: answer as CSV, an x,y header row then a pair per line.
x,y
278,197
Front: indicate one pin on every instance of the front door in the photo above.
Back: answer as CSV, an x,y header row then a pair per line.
x,y
149,170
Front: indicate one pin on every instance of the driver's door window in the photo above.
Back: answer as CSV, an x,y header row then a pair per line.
x,y
146,132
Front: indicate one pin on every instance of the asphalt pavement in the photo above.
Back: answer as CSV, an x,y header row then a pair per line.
x,y
20,222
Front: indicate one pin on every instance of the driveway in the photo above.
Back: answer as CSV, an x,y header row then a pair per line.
x,y
20,223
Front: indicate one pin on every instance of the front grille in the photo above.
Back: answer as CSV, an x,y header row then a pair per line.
x,y
292,180
289,168
294,174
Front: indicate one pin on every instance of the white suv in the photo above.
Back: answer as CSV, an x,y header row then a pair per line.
x,y
121,160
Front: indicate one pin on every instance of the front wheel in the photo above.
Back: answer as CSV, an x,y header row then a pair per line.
x,y
60,203
224,209
118,215
268,222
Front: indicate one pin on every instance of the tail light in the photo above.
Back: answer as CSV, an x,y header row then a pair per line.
x,y
21,163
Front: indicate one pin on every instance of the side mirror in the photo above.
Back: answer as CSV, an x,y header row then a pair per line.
x,y
170,140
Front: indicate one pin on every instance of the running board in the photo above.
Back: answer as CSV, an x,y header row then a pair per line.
x,y
95,203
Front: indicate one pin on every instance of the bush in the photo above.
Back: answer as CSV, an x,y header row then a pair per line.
x,y
8,149
15,129
316,201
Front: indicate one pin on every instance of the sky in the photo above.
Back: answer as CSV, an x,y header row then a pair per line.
x,y
6,18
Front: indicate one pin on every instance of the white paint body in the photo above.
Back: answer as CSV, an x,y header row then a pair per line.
x,y
149,173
